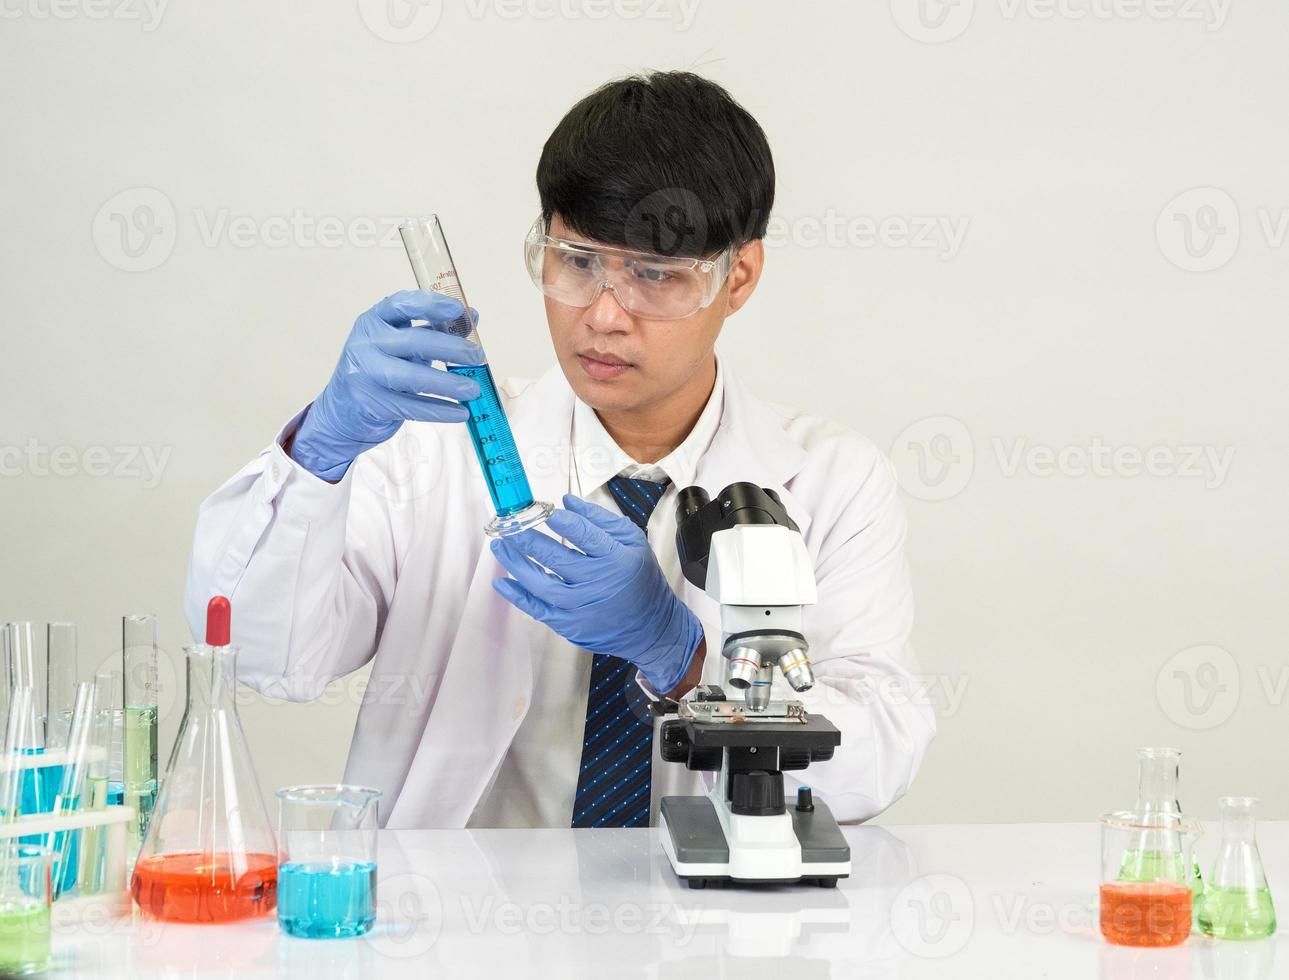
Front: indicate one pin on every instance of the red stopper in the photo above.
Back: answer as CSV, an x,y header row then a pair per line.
x,y
219,617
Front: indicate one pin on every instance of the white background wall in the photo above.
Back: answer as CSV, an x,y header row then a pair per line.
x,y
1063,612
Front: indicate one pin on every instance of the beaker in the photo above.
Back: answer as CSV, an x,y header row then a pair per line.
x,y
1158,772
1236,903
327,875
24,909
209,855
494,445
1153,908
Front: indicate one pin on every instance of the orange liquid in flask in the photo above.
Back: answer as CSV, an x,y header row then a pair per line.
x,y
205,887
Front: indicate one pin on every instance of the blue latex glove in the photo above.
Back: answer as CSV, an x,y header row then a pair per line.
x,y
374,388
610,597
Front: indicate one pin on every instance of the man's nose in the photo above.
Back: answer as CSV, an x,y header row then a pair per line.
x,y
606,314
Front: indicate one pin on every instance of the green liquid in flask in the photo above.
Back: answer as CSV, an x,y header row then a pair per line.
x,y
1236,913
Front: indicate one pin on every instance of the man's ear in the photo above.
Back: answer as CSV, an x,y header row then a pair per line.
x,y
745,273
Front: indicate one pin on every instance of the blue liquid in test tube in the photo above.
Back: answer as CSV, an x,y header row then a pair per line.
x,y
494,445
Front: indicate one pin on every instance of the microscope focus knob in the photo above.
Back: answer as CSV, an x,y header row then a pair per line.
x,y
757,793
676,747
675,742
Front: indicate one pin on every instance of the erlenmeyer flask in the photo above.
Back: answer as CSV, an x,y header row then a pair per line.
x,y
1157,776
209,854
1236,904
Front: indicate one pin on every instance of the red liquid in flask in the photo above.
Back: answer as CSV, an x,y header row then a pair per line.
x,y
205,887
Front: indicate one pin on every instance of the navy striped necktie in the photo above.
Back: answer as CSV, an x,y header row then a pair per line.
x,y
617,743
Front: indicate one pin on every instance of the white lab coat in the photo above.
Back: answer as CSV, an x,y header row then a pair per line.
x,y
391,566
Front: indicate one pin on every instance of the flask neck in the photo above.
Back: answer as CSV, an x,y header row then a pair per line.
x,y
1157,775
212,677
1239,819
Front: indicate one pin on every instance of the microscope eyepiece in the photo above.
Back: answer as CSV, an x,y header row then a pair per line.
x,y
690,500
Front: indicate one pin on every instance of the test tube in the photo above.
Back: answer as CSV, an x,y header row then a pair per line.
x,y
26,666
68,799
494,445
139,670
102,774
60,684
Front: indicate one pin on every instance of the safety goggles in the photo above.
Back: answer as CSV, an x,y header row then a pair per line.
x,y
654,287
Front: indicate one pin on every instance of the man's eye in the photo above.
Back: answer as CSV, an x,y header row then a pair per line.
x,y
577,263
652,274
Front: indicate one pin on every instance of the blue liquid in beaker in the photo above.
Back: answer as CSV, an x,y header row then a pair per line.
x,y
494,445
320,901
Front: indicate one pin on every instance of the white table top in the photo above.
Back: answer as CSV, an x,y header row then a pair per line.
x,y
993,901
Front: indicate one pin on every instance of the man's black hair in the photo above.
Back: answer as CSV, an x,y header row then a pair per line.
x,y
661,162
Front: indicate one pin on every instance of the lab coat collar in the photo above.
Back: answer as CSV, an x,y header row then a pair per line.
x,y
598,458
750,443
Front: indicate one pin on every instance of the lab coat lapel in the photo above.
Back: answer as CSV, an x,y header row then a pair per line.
x,y
750,445
488,679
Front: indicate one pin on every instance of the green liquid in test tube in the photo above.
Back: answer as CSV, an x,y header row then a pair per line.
x,y
139,669
494,445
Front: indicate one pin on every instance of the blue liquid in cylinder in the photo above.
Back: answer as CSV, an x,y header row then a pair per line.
x,y
494,445
321,901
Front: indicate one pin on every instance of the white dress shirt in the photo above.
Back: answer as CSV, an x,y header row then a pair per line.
x,y
536,782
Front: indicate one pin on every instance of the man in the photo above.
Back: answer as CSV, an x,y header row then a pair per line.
x,y
510,679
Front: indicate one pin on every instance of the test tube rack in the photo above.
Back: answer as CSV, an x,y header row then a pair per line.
x,y
113,898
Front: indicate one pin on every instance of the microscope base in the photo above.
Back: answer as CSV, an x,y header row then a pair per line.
x,y
696,844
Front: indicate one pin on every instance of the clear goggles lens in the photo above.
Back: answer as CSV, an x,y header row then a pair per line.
x,y
654,287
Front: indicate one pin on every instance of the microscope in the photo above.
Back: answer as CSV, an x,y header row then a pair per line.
x,y
746,552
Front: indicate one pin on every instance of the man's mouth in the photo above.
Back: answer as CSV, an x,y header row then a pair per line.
x,y
603,366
